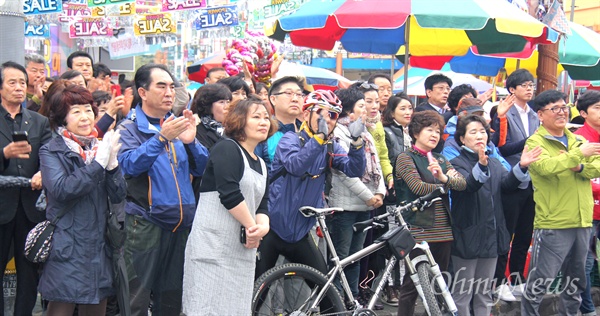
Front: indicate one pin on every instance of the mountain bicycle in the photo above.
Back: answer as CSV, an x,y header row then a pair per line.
x,y
308,292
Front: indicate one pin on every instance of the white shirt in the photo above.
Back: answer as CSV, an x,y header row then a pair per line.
x,y
439,109
524,114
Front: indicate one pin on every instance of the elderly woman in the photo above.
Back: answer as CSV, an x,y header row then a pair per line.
x,y
74,77
416,176
233,197
81,176
478,224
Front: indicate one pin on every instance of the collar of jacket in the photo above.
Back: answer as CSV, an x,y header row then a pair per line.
x,y
142,122
571,138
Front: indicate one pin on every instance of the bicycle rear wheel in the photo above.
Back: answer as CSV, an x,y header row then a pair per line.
x,y
427,284
290,289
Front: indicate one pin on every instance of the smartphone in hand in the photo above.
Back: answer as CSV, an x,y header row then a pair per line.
x,y
243,235
19,136
116,89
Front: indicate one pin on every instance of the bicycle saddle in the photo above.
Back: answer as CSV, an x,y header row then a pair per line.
x,y
309,211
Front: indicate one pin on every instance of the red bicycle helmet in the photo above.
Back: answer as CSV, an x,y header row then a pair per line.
x,y
324,99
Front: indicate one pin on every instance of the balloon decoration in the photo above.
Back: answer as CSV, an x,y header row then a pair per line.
x,y
256,51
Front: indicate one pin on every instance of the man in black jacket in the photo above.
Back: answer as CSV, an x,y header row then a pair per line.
x,y
437,88
19,215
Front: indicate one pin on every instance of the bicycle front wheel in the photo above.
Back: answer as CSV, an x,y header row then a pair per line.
x,y
291,289
427,284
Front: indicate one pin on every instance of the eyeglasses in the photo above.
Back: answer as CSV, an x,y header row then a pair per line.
x,y
556,109
527,85
366,85
332,115
443,88
291,94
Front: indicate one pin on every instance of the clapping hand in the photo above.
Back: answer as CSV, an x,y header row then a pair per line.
x,y
505,104
115,146
181,127
483,158
356,128
529,156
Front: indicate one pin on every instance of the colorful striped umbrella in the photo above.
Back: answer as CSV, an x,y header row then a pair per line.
x,y
579,54
432,27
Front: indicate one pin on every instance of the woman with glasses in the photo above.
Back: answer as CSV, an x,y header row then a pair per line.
x,y
418,175
356,195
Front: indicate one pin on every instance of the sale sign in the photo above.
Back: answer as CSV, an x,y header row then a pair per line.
x,y
95,3
172,5
31,7
71,11
215,17
124,9
152,24
42,30
89,27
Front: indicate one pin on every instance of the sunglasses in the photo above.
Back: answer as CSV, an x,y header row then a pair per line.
x,y
332,115
366,85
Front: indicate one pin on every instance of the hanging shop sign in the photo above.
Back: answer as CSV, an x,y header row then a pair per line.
x,y
215,17
41,30
31,7
89,27
124,9
279,7
127,46
153,24
71,10
172,5
95,3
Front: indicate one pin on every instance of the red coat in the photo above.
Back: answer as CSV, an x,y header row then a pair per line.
x,y
592,136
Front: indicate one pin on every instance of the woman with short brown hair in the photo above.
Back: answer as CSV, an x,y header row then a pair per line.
x,y
233,203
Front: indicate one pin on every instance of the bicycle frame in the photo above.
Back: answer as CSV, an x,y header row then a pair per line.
x,y
339,265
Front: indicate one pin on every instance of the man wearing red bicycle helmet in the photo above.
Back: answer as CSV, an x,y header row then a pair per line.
x,y
300,166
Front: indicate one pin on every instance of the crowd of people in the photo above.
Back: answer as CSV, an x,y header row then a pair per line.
x,y
207,187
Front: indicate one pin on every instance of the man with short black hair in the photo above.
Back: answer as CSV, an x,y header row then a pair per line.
x,y
521,122
158,154
437,89
82,62
18,213
286,97
215,74
563,209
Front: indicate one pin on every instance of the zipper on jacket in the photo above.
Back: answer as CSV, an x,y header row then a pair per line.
x,y
172,162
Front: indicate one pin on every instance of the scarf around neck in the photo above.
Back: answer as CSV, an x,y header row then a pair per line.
x,y
85,146
209,122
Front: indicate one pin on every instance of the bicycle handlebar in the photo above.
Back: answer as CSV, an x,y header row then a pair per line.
x,y
361,226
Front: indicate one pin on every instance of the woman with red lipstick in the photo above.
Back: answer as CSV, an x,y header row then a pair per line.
x,y
417,176
478,222
81,175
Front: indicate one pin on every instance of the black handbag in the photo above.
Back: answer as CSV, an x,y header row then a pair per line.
x,y
39,240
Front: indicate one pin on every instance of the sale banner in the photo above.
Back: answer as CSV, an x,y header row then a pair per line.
x,y
215,17
172,5
95,3
153,24
31,7
89,27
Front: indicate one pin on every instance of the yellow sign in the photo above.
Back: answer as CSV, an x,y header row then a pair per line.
x,y
153,24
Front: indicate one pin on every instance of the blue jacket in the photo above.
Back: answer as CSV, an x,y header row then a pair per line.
x,y
158,173
299,187
79,268
266,150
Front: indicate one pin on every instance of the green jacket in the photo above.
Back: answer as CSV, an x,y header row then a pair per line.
x,y
563,198
379,136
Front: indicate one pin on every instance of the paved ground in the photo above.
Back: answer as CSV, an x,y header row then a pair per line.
x,y
549,307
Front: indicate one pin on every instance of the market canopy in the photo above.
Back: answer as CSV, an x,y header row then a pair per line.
x,y
435,27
